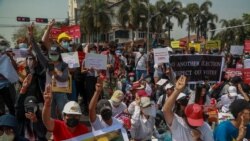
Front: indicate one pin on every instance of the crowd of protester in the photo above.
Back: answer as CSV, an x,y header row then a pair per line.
x,y
30,109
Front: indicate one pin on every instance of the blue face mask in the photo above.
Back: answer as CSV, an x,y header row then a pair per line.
x,y
22,45
65,44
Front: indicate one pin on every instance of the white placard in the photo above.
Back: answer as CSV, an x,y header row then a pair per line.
x,y
20,54
71,58
96,61
247,63
161,55
161,82
236,49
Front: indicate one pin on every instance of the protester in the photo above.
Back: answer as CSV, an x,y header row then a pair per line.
x,y
200,96
189,127
238,128
117,104
141,63
100,114
70,126
169,88
8,129
29,117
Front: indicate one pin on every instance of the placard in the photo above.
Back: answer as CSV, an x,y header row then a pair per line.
x,y
96,61
198,67
161,55
246,76
197,46
236,49
247,63
213,44
60,89
71,58
175,44
112,133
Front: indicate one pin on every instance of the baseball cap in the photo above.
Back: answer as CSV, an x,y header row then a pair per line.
x,y
54,50
102,105
30,101
63,36
237,106
117,96
232,91
73,108
141,93
181,95
8,120
145,102
194,114
137,86
168,86
131,74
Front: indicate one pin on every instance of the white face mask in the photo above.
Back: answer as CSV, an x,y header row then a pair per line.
x,y
6,137
147,111
131,78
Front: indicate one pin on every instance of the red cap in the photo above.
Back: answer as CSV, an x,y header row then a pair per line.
x,y
142,93
131,74
194,114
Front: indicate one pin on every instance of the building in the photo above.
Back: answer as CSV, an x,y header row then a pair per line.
x,y
117,33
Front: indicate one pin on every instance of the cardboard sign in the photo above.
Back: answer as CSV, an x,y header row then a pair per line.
x,y
213,44
161,55
97,61
71,58
236,50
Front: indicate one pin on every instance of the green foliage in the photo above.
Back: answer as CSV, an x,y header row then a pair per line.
x,y
4,42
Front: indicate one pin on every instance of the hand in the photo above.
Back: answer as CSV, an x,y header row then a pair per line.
x,y
27,80
47,95
240,88
181,83
98,86
51,23
31,28
242,128
31,116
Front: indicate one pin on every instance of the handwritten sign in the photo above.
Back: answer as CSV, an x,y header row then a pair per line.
x,y
97,61
236,50
71,58
161,55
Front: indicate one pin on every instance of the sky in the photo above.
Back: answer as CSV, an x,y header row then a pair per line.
x,y
10,9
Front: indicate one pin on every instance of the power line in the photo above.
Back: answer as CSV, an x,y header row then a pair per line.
x,y
229,27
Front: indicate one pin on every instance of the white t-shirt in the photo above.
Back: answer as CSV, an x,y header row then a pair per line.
x,y
99,123
142,63
225,102
159,102
182,132
118,110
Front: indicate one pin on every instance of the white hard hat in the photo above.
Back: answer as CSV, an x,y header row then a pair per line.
x,y
72,107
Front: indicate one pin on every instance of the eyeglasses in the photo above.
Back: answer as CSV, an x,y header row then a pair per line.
x,y
6,130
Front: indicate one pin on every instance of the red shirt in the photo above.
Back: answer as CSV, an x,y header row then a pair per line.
x,y
61,131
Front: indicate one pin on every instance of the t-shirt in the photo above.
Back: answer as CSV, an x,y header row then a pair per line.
x,y
182,132
118,110
226,131
99,123
160,103
61,131
142,63
225,102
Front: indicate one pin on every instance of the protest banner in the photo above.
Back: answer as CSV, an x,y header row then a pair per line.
x,y
112,133
232,72
96,61
175,44
247,63
197,46
236,50
247,46
161,55
246,76
71,58
213,44
197,67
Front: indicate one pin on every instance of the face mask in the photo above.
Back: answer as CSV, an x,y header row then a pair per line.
x,y
70,49
106,114
23,45
54,57
131,78
123,80
6,137
72,122
141,50
65,44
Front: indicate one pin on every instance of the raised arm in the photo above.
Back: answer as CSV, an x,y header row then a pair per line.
x,y
245,95
47,120
169,104
45,37
94,100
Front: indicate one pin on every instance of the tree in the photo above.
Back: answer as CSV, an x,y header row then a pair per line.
x,y
132,14
4,42
22,32
95,17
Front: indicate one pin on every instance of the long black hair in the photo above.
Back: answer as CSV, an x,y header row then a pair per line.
x,y
198,93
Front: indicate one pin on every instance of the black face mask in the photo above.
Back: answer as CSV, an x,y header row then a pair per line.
x,y
106,114
72,122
